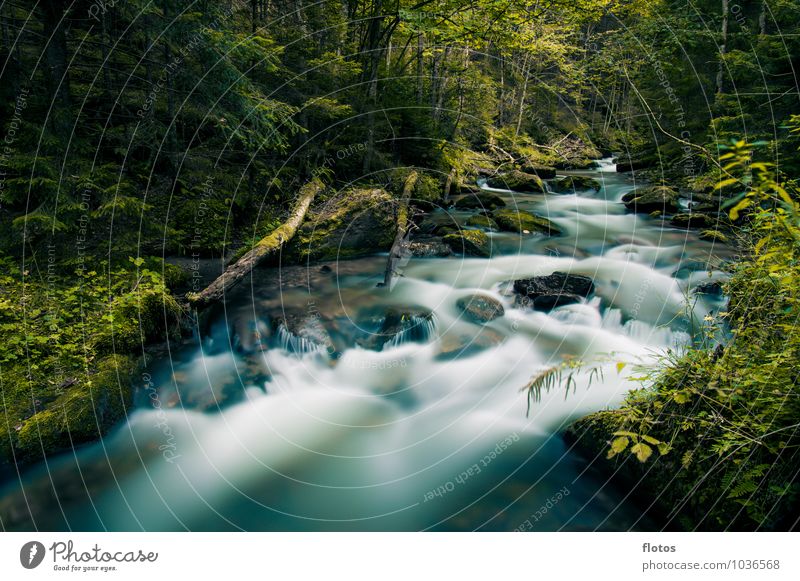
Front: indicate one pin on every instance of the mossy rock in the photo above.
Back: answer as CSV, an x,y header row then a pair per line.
x,y
577,183
83,413
482,221
519,221
713,236
469,243
480,308
355,222
692,220
517,181
652,199
480,200
545,172
576,163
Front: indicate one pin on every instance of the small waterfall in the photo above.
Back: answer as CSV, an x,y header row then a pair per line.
x,y
418,329
606,165
295,344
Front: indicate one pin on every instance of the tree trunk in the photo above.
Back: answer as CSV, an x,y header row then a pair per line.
x,y
234,274
403,222
723,48
420,52
523,96
56,58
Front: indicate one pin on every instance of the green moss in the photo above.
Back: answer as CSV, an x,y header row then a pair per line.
x,y
517,181
83,413
519,221
355,222
482,221
713,236
469,242
65,366
577,183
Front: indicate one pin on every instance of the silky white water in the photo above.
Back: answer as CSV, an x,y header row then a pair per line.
x,y
431,429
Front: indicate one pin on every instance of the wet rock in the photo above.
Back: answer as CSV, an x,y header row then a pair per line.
x,y
517,181
713,288
480,200
543,171
576,163
355,222
577,184
394,326
469,243
482,221
480,308
519,221
692,220
301,333
713,236
429,248
250,334
547,292
652,199
444,229
457,345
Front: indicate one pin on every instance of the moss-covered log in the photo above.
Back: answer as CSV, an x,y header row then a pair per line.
x,y
270,244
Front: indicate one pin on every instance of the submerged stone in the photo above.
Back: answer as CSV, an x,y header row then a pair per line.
x,y
480,308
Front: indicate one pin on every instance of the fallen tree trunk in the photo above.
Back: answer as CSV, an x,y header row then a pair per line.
x,y
271,243
403,223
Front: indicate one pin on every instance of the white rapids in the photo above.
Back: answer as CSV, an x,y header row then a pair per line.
x,y
407,436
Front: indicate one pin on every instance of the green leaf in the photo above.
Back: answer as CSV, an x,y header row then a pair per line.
x,y
618,445
642,451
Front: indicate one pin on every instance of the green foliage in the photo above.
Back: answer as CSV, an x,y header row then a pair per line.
x,y
729,415
64,363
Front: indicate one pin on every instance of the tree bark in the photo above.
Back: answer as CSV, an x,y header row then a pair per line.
x,y
234,274
723,48
56,58
403,222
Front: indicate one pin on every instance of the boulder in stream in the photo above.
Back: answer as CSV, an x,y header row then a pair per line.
x,y
692,220
355,222
481,200
517,181
576,184
543,171
429,247
652,199
469,243
553,290
387,327
519,221
482,221
480,308
302,333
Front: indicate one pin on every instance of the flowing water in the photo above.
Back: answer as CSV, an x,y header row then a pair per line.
x,y
319,401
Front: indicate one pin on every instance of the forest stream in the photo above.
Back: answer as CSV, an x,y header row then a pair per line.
x,y
318,426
